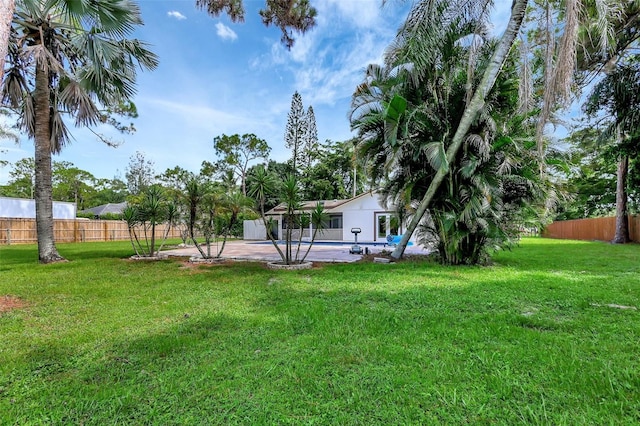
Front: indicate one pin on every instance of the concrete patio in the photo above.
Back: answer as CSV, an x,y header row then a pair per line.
x,y
336,252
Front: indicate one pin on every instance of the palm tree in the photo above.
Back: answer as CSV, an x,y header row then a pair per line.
x,y
203,200
477,206
262,184
470,114
68,58
7,7
559,66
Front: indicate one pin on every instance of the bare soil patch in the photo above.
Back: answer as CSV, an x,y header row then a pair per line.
x,y
8,303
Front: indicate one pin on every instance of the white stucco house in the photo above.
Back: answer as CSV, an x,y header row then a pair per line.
x,y
364,211
24,208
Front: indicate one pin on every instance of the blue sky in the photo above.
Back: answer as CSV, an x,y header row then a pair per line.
x,y
216,77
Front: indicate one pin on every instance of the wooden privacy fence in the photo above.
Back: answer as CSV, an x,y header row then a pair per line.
x,y
23,231
599,229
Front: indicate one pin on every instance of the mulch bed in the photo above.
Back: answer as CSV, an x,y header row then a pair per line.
x,y
8,303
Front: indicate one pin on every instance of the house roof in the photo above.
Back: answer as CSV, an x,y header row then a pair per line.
x,y
310,205
115,208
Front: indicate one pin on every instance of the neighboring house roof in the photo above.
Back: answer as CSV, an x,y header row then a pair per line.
x,y
113,208
310,205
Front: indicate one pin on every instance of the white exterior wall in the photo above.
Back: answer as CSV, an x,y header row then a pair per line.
x,y
24,208
254,230
360,213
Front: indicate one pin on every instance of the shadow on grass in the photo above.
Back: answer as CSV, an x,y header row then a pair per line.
x,y
28,253
307,350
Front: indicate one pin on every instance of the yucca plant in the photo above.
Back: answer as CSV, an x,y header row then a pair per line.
x,y
146,213
261,184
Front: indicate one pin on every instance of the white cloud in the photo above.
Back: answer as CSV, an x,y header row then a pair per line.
x,y
331,74
177,15
358,13
500,16
225,32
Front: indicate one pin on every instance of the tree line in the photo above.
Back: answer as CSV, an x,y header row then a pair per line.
x,y
452,126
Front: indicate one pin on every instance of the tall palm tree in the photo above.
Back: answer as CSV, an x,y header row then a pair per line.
x,y
557,83
7,7
68,58
477,206
471,112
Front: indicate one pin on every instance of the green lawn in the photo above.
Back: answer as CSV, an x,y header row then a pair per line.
x,y
529,340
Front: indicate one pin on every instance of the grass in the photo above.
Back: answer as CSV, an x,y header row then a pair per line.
x,y
529,340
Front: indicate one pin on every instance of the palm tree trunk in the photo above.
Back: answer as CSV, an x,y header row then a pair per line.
x,y
267,227
47,252
518,10
7,7
192,223
153,239
622,219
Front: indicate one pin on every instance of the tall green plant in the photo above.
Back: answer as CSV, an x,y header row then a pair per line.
x,y
261,185
407,113
145,213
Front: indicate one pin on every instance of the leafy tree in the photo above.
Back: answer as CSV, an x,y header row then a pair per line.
x,y
139,173
174,180
288,15
72,184
332,175
68,58
591,180
109,191
21,179
618,97
238,152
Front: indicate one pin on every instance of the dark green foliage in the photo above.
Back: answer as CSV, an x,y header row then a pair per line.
x,y
591,181
237,152
407,112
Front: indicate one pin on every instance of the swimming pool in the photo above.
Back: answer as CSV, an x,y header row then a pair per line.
x,y
333,243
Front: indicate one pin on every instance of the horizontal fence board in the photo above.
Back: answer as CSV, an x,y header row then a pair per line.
x,y
598,229
23,231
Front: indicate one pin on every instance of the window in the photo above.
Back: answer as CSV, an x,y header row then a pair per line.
x,y
334,222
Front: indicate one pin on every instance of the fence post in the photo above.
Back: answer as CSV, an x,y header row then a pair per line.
x,y
8,236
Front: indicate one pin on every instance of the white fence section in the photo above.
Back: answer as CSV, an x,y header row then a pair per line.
x,y
24,208
254,230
